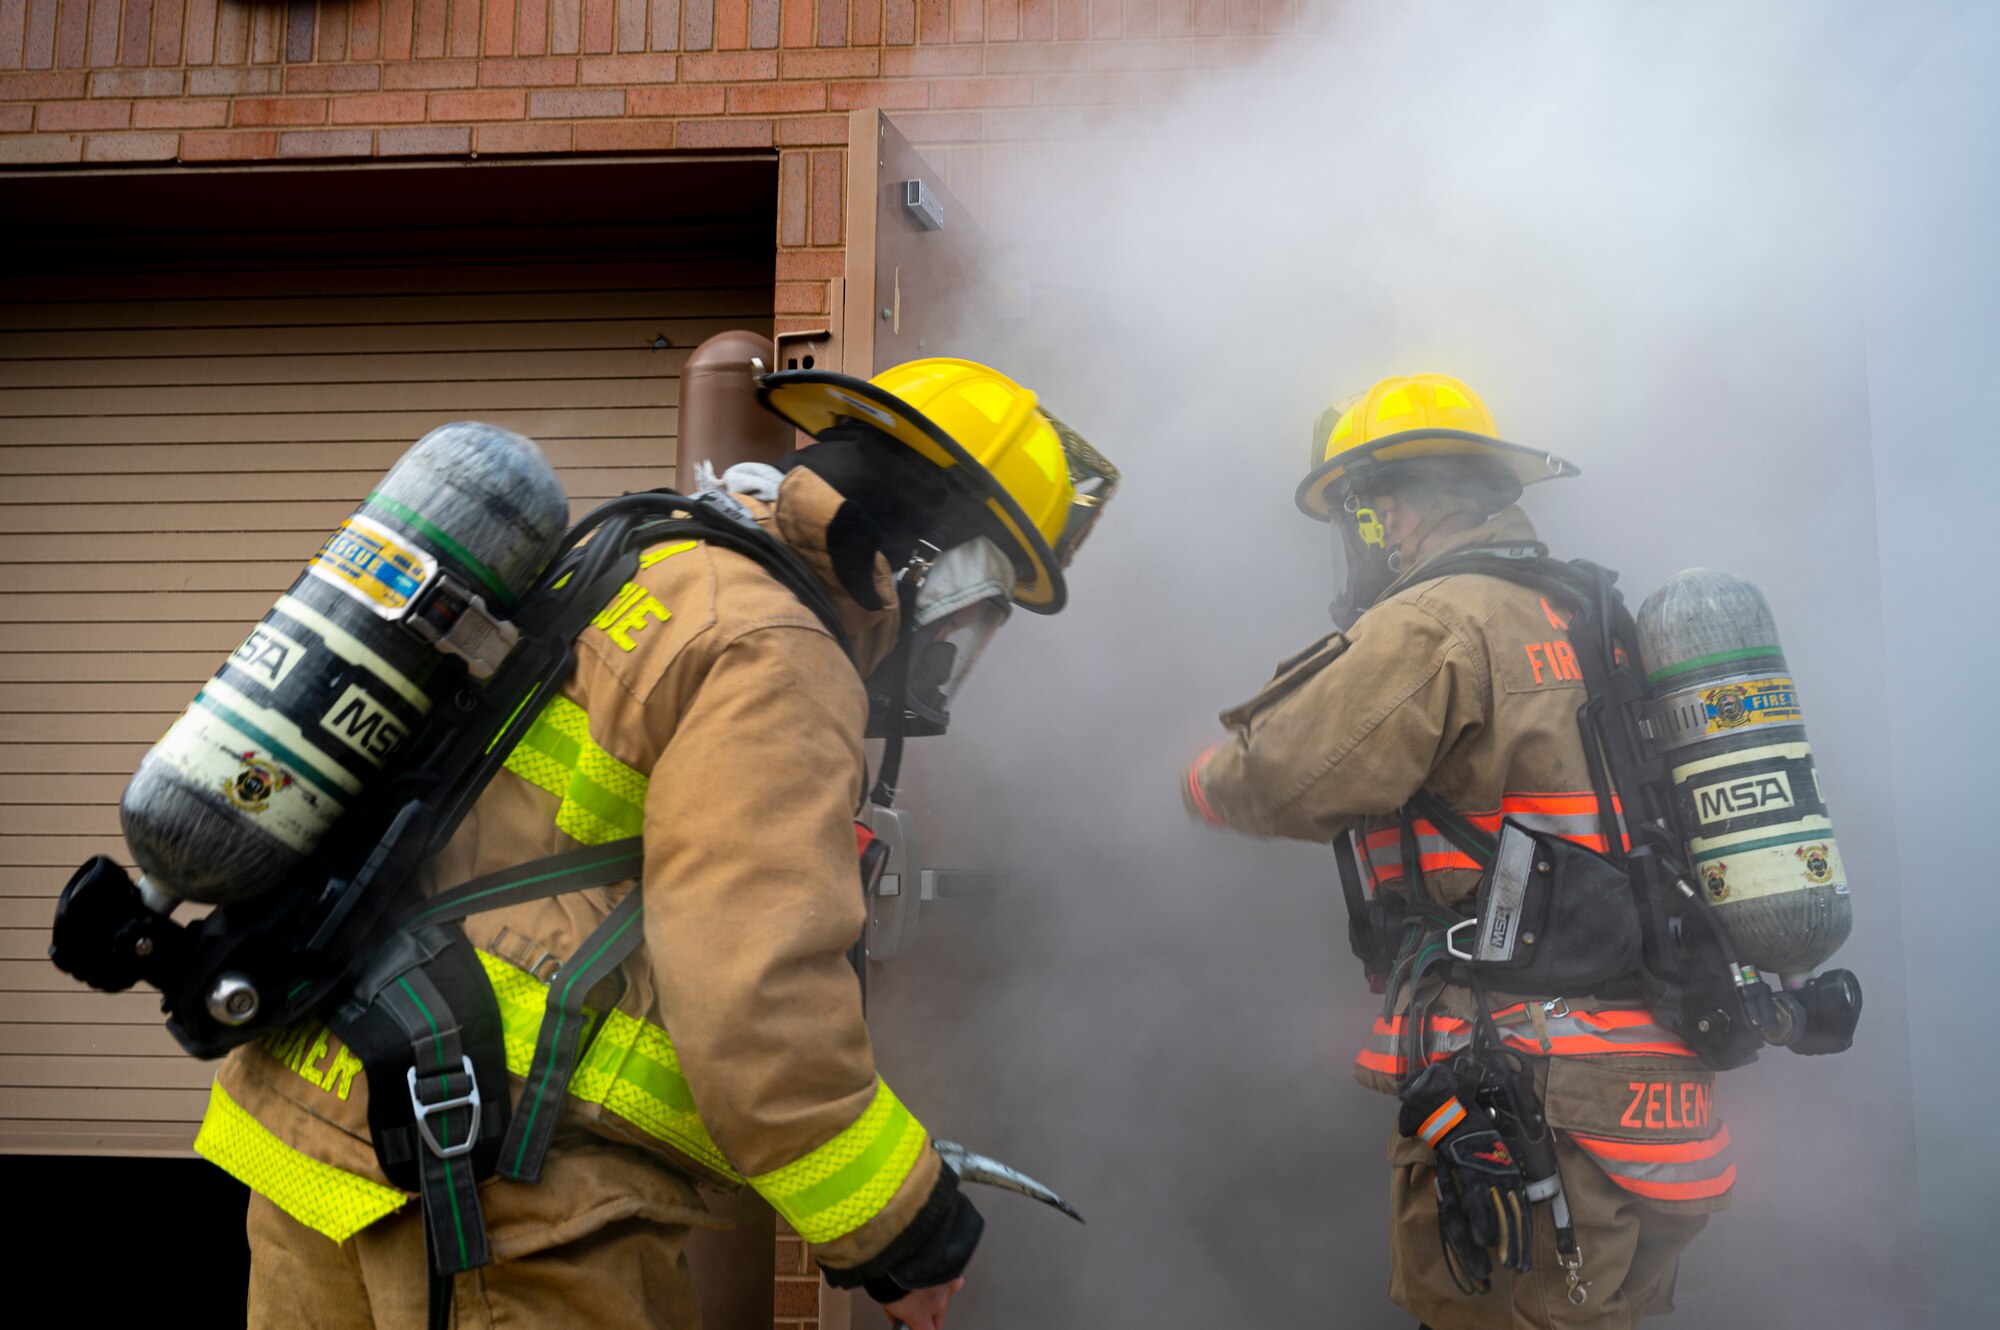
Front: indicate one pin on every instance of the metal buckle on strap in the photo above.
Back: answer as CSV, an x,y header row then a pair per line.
x,y
919,566
1452,932
423,1111
456,621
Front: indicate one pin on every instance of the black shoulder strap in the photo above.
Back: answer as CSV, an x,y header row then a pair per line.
x,y
663,514
1470,839
564,1032
1688,974
1364,916
1606,642
1350,887
579,583
538,879
424,1022
560,1043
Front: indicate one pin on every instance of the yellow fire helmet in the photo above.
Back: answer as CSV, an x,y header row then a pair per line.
x,y
1406,417
1043,483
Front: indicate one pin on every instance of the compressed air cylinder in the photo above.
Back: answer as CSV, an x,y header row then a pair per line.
x,y
1727,718
313,709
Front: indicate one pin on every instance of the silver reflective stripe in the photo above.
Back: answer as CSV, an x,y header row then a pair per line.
x,y
1570,826
1389,858
1666,1170
1386,861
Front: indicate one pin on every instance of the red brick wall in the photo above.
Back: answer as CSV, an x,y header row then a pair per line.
x,y
796,1294
84,82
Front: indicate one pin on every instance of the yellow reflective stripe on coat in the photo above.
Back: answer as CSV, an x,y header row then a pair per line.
x,y
602,798
849,1180
630,1067
327,1200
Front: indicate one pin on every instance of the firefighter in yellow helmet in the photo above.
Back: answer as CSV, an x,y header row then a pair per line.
x,y
1555,1150
716,716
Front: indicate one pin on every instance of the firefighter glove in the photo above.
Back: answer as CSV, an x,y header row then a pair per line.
x,y
1483,1215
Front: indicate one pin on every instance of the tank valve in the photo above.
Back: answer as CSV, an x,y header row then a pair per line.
x,y
1826,1009
233,1000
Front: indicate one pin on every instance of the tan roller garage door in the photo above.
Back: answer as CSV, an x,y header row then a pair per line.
x,y
174,444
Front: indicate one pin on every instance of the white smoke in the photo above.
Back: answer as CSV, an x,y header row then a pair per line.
x,y
1685,246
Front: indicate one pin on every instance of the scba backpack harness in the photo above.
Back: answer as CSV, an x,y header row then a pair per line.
x,y
394,976
1624,923
1555,917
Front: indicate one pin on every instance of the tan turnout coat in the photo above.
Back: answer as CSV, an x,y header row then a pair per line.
x,y
1468,686
724,689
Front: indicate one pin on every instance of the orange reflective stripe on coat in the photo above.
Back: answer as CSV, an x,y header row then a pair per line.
x,y
1572,816
1573,1034
1665,1170
1384,1050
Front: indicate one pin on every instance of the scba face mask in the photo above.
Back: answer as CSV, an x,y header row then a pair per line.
x,y
963,600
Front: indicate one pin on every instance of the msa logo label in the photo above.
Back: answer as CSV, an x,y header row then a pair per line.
x,y
268,656
364,725
1734,798
1499,944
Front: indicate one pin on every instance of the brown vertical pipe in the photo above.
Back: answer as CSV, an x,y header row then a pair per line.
x,y
721,423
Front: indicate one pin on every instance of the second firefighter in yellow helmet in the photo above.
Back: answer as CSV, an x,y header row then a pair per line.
x,y
1400,429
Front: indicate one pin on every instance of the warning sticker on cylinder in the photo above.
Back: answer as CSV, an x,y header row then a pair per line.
x,y
1761,701
369,562
208,750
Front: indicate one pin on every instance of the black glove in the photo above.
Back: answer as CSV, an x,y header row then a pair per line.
x,y
934,1249
1483,1214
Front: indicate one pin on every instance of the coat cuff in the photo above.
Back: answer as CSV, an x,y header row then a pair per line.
x,y
1194,794
933,1249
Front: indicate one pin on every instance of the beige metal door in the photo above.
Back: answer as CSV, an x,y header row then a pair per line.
x,y
174,444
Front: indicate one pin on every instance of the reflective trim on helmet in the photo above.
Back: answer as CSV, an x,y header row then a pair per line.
x,y
328,1200
843,1184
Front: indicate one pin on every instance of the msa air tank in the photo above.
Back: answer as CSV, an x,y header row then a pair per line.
x,y
312,710
1726,718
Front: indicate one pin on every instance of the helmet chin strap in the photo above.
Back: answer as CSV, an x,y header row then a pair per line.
x,y
909,581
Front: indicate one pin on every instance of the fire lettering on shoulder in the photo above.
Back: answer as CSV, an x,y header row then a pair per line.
x,y
1668,1105
316,1055
1553,662
634,606
628,612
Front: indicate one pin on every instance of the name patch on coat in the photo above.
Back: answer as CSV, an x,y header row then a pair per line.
x,y
1668,1105
312,1051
